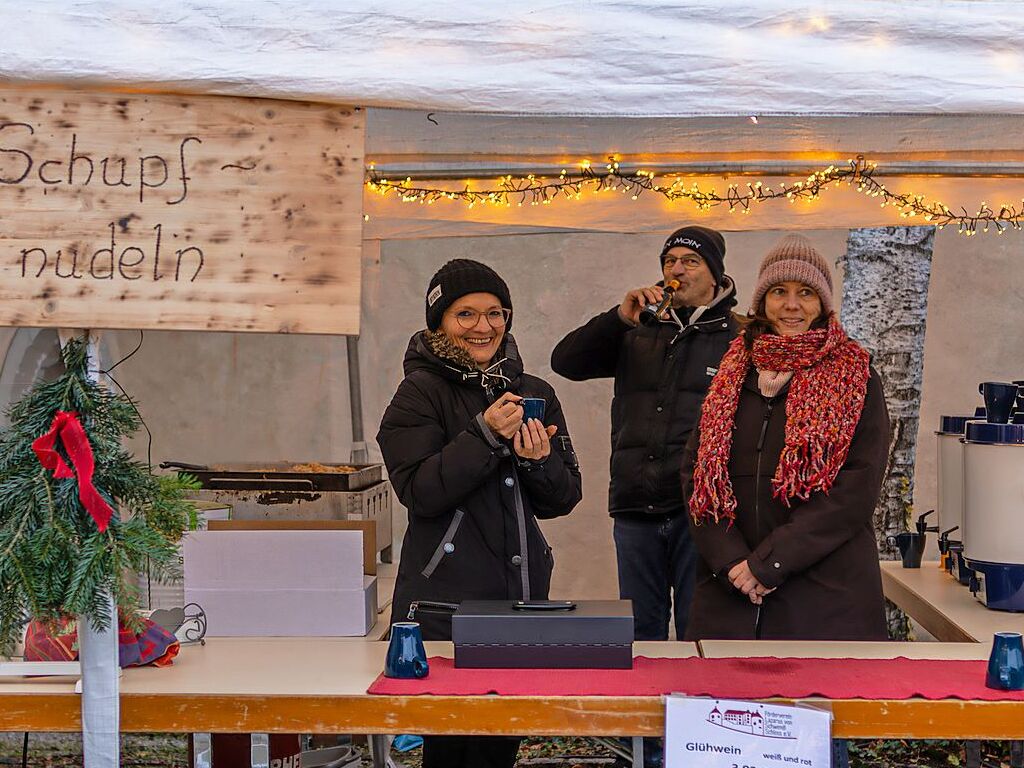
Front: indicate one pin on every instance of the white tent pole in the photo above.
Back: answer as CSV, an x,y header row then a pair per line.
x,y
98,651
101,706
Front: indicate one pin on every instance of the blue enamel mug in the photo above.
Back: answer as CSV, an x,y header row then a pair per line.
x,y
1006,662
533,408
407,658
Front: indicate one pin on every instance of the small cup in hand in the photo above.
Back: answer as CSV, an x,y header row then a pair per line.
x,y
533,408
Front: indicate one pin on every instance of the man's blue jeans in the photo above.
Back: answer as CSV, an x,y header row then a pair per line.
x,y
657,564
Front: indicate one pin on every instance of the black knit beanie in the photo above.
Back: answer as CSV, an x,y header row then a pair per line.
x,y
457,278
708,243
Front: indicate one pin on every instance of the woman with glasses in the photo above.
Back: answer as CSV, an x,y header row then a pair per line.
x,y
474,475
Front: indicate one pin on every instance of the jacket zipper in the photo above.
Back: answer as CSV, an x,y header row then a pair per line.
x,y
770,404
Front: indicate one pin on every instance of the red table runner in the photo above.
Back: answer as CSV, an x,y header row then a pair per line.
x,y
755,678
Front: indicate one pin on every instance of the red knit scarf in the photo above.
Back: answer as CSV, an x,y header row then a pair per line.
x,y
826,397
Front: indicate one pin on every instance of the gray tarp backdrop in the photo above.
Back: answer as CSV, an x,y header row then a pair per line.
x,y
837,71
254,397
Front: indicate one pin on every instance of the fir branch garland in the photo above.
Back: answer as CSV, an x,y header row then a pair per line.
x,y
54,562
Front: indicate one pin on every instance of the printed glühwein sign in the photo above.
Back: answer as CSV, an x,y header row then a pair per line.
x,y
179,212
720,733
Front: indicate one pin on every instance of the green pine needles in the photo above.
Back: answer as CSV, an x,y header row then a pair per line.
x,y
54,562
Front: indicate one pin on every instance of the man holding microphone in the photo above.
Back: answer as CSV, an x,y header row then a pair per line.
x,y
662,347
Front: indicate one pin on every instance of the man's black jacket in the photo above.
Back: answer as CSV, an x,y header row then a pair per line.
x,y
661,373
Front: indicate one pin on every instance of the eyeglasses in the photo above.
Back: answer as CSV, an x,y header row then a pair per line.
x,y
496,318
689,263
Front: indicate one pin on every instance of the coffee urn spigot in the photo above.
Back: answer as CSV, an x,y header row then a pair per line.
x,y
923,527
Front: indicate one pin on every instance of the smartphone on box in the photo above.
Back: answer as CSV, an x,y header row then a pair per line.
x,y
544,605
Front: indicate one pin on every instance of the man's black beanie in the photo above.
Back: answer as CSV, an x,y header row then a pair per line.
x,y
705,241
457,278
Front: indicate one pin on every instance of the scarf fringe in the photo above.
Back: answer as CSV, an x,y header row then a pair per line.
x,y
824,405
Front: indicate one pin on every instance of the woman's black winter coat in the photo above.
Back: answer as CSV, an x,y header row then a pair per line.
x,y
473,504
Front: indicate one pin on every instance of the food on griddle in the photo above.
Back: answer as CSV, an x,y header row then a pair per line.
x,y
315,466
310,467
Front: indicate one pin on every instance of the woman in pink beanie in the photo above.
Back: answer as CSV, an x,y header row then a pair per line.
x,y
784,471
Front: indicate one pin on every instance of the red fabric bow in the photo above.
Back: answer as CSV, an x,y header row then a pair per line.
x,y
67,426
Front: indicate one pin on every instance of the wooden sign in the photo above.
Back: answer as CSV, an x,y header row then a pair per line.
x,y
179,212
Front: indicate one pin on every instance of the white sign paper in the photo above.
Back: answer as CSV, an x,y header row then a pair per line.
x,y
719,733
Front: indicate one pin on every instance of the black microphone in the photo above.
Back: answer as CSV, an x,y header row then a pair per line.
x,y
650,314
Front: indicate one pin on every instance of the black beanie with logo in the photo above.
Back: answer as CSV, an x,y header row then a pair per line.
x,y
706,242
457,278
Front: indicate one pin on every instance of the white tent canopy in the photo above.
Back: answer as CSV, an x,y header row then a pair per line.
x,y
627,58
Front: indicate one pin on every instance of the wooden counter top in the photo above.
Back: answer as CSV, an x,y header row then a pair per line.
x,y
943,606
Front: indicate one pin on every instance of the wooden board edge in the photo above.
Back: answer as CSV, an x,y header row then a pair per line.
x,y
924,613
505,715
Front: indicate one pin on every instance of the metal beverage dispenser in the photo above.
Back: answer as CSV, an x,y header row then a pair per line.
x,y
993,512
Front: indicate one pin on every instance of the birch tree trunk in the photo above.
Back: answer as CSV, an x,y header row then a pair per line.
x,y
885,303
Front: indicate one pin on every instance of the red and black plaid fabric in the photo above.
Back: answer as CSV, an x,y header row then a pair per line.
x,y
154,645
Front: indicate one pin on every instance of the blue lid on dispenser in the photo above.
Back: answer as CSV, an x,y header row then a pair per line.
x,y
994,434
953,425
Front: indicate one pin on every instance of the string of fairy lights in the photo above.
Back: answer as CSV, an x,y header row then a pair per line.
x,y
532,190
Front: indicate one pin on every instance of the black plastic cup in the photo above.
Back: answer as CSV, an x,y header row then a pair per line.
x,y
999,397
911,547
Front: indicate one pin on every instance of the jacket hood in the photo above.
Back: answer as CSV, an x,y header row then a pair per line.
x,y
721,304
725,299
423,353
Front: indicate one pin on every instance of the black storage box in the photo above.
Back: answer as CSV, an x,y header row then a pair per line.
x,y
596,634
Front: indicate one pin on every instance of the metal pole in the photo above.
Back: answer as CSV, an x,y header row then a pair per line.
x,y
101,706
355,395
98,650
441,171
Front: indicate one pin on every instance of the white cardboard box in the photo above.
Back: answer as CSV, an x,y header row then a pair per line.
x,y
274,559
155,594
280,583
288,612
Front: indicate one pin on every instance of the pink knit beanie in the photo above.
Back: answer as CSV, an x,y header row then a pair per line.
x,y
794,258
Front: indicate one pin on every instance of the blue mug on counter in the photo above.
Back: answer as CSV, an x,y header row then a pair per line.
x,y
1006,662
407,658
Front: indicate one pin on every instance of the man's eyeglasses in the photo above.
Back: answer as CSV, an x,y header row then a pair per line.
x,y
689,263
496,318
